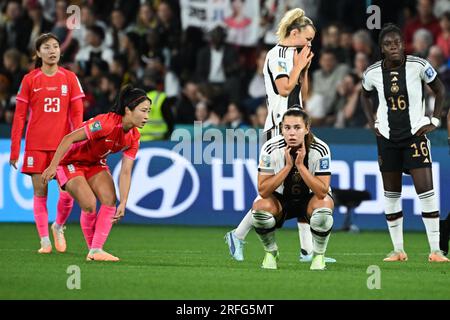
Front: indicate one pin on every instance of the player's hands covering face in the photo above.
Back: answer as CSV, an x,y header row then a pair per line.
x,y
301,153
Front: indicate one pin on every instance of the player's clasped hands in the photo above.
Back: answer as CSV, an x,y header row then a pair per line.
x,y
303,58
48,174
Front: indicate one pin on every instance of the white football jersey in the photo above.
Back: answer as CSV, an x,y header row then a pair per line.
x,y
279,63
272,159
401,109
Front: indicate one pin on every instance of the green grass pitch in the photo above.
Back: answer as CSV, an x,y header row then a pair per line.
x,y
174,262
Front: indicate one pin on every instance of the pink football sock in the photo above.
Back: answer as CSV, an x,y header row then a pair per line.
x,y
103,226
41,215
87,221
65,204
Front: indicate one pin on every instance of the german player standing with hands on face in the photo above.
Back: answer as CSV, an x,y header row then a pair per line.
x,y
80,166
52,98
401,127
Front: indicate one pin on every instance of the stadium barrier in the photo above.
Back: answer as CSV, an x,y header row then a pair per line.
x,y
168,188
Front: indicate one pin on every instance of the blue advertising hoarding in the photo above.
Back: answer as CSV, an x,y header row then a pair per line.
x,y
167,188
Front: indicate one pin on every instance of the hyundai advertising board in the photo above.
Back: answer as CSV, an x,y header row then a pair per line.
x,y
168,188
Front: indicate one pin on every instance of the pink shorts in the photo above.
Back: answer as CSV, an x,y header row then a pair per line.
x,y
69,171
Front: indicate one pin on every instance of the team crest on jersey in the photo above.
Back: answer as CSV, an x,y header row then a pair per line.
x,y
71,168
95,126
324,164
429,72
63,90
282,66
30,161
395,88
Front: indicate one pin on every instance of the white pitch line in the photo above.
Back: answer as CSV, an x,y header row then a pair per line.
x,y
23,250
361,254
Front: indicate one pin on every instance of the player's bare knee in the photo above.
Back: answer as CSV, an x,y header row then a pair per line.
x,y
317,202
109,201
40,193
88,209
39,188
265,205
88,205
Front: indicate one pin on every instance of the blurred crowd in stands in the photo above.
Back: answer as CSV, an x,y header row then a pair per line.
x,y
203,76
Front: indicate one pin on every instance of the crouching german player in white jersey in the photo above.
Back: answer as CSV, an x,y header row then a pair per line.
x,y
286,81
293,181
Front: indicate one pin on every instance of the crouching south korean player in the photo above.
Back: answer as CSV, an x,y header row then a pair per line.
x,y
294,180
80,166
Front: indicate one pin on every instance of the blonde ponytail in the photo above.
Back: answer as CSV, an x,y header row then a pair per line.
x,y
293,19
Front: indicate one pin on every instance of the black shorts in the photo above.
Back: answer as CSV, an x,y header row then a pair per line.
x,y
294,208
411,153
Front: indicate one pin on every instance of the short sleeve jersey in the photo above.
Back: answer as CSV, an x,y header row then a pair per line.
x,y
272,160
279,63
105,135
401,92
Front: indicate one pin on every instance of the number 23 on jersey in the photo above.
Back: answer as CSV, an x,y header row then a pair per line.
x,y
52,105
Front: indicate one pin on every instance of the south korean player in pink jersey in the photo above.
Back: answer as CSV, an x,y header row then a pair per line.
x,y
80,166
51,97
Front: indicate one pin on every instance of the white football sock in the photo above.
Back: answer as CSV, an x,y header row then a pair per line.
x,y
305,236
321,223
396,233
432,228
394,218
244,227
430,217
